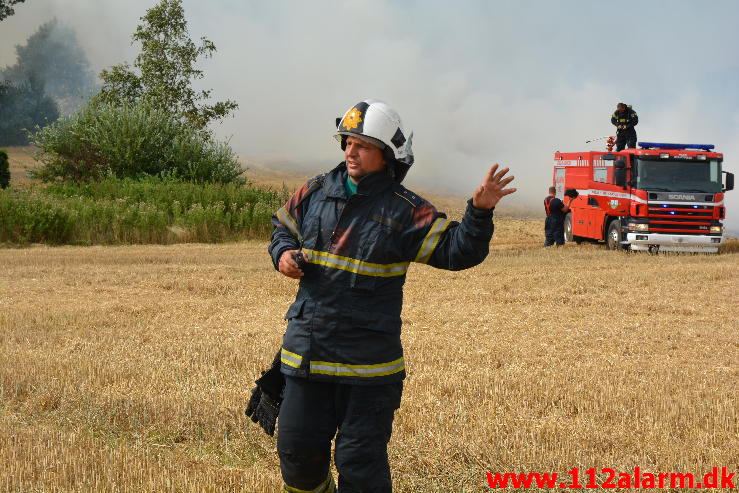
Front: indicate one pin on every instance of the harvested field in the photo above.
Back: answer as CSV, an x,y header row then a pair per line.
x,y
127,368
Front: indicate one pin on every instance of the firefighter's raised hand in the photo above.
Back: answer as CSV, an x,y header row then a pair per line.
x,y
288,266
492,188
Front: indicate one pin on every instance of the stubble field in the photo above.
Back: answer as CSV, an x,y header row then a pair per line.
x,y
127,368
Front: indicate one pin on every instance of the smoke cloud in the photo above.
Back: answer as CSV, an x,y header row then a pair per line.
x,y
478,81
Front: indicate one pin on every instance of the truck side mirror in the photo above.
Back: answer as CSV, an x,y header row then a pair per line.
x,y
729,181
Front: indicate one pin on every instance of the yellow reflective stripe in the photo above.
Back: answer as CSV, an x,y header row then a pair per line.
x,y
347,370
288,221
356,266
327,486
428,245
344,369
290,358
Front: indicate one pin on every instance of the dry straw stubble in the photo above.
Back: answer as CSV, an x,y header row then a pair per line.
x,y
127,368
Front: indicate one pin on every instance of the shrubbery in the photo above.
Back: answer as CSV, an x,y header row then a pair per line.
x,y
127,211
131,141
137,163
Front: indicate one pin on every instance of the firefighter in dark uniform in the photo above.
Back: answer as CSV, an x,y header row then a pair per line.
x,y
625,119
554,224
349,236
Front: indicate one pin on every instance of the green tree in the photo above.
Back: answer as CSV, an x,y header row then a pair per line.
x,y
131,141
53,55
23,108
6,8
164,70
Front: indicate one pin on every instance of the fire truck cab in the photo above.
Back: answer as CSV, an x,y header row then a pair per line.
x,y
658,196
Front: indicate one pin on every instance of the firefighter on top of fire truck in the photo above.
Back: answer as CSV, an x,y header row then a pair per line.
x,y
625,119
349,236
554,224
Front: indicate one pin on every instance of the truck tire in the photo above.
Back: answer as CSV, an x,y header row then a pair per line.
x,y
613,235
569,237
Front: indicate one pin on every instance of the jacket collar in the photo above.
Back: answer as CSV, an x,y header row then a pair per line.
x,y
371,184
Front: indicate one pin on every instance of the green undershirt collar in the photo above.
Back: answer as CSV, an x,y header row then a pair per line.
x,y
350,186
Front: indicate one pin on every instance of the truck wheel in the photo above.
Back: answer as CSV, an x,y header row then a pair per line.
x,y
569,237
613,237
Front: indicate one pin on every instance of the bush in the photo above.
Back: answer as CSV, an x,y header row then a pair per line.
x,y
32,219
4,170
127,211
165,191
131,141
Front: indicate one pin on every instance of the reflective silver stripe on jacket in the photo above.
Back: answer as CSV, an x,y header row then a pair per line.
x,y
354,265
289,222
290,358
347,370
344,369
428,245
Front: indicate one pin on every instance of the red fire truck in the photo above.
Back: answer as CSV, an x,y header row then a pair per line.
x,y
658,196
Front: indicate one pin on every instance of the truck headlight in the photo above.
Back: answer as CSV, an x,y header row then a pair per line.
x,y
642,227
717,229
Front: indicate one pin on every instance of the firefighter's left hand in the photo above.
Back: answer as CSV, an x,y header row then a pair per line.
x,y
492,188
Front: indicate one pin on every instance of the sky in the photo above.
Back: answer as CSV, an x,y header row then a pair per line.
x,y
478,82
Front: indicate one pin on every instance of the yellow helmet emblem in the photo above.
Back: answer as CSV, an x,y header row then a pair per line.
x,y
352,119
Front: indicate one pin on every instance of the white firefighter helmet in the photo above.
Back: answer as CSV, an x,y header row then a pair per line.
x,y
377,123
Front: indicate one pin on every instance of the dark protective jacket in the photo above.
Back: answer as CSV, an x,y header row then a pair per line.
x,y
553,207
627,117
344,325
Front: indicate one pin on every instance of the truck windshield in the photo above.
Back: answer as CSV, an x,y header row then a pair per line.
x,y
678,175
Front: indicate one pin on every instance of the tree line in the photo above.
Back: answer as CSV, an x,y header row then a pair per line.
x,y
140,120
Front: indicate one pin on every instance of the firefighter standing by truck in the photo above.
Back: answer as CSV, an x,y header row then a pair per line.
x,y
554,224
625,119
349,236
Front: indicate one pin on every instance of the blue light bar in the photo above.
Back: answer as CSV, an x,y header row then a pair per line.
x,y
663,145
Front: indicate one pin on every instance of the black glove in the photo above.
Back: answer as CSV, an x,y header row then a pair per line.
x,y
572,193
262,409
264,404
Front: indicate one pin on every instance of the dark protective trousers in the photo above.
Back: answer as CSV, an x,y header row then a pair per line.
x,y
626,138
310,415
554,231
